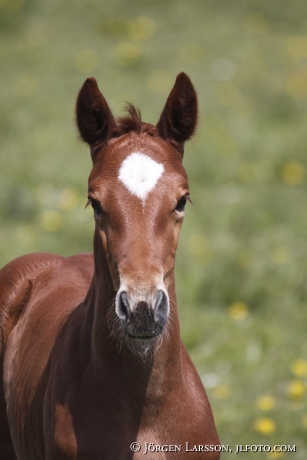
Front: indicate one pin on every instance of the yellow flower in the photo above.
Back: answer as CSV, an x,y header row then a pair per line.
x,y
297,46
293,173
265,425
50,220
127,53
296,389
266,403
280,255
222,391
274,454
299,367
68,198
142,27
238,311
296,86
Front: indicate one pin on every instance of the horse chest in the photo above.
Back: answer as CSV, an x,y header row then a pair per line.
x,y
101,428
104,441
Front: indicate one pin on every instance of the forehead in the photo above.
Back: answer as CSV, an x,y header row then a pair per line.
x,y
138,162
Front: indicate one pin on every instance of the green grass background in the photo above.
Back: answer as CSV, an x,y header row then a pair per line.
x,y
241,265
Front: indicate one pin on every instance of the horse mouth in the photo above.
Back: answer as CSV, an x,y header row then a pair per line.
x,y
141,336
144,334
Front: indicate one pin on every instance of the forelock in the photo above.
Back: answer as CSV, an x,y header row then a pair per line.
x,y
133,122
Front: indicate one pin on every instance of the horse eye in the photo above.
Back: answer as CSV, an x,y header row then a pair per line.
x,y
96,207
181,204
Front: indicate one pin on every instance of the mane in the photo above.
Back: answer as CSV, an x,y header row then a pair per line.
x,y
133,122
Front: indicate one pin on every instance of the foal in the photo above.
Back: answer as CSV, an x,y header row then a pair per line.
x,y
93,365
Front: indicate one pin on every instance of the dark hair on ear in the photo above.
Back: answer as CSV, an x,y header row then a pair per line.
x,y
178,119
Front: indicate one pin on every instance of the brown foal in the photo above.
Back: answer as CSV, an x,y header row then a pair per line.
x,y
92,361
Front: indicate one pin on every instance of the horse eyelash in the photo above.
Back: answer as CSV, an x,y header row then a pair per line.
x,y
188,198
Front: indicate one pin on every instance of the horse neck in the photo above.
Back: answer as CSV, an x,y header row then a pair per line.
x,y
108,350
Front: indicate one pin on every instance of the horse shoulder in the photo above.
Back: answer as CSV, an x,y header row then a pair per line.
x,y
18,279
37,294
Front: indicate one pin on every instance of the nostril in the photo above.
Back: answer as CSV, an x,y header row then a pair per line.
x,y
161,308
123,306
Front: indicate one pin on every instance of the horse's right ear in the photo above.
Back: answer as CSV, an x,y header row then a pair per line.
x,y
94,118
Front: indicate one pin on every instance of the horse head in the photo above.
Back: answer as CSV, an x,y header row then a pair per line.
x,y
138,189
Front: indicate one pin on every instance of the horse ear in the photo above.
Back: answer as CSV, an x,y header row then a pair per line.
x,y
94,118
179,117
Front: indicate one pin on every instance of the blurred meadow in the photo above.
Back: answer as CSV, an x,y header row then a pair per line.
x,y
242,260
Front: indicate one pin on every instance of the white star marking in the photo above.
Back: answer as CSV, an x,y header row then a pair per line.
x,y
139,173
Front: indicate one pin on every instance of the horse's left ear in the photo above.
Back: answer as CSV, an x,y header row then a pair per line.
x,y
94,117
179,117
